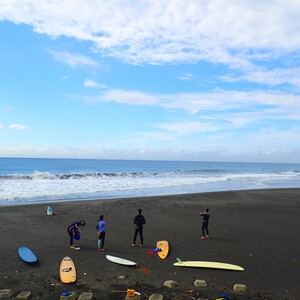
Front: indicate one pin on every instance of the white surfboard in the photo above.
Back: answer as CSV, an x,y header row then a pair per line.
x,y
208,264
120,261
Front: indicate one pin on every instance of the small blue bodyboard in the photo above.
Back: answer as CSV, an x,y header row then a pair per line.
x,y
27,255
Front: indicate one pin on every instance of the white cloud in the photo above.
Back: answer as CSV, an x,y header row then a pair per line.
x,y
1,126
226,31
221,104
126,97
273,77
187,77
18,126
93,84
183,128
73,60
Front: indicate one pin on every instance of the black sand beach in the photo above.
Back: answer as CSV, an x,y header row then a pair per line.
x,y
257,229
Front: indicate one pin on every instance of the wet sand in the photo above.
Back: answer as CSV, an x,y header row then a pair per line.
x,y
257,229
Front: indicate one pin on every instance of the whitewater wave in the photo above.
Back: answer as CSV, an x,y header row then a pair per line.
x,y
46,175
48,187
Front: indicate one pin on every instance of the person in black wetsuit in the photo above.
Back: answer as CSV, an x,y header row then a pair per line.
x,y
139,222
205,214
72,230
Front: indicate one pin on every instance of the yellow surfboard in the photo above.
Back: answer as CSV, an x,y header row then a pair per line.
x,y
164,246
67,270
208,264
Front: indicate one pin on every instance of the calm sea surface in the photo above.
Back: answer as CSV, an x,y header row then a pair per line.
x,y
31,180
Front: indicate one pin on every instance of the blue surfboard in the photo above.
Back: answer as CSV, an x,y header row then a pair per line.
x,y
27,255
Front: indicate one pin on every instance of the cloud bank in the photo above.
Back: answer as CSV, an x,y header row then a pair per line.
x,y
224,31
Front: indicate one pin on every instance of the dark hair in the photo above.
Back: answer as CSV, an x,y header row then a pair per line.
x,y
82,223
139,211
101,217
207,209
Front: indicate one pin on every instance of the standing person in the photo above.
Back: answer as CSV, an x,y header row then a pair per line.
x,y
205,214
73,231
101,230
139,222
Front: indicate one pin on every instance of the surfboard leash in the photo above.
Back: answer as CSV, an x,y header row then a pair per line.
x,y
154,251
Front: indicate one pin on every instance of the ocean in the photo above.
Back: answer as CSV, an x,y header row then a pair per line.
x,y
36,180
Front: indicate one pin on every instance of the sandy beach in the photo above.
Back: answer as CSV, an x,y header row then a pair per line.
x,y
256,229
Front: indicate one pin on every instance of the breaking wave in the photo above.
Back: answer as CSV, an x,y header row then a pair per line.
x,y
40,187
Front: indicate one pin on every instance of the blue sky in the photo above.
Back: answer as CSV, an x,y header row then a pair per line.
x,y
179,80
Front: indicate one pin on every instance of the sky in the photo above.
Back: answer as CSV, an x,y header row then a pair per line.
x,y
214,80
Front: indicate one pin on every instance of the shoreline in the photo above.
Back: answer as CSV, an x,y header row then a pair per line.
x,y
256,229
74,200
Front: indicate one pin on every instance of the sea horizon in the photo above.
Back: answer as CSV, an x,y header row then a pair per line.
x,y
129,159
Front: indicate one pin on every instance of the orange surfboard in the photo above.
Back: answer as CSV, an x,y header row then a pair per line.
x,y
67,270
164,246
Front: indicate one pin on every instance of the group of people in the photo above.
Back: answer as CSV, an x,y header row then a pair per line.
x,y
139,221
74,232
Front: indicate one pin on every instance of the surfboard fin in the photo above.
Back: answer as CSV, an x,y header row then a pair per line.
x,y
178,259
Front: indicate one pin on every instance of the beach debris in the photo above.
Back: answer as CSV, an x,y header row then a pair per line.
x,y
131,294
71,296
121,277
142,269
189,291
24,295
135,297
49,211
77,248
240,287
224,296
6,293
199,283
156,297
170,284
86,296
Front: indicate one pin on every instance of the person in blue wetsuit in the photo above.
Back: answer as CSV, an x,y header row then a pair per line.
x,y
205,214
139,222
72,230
101,230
